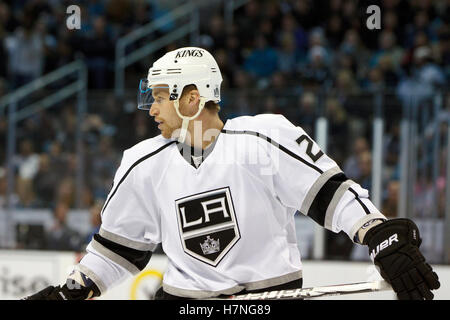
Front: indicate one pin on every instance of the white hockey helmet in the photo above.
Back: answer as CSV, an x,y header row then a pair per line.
x,y
177,69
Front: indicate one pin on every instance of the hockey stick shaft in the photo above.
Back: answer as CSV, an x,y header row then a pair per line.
x,y
315,292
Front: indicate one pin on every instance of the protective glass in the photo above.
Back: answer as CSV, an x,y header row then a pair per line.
x,y
146,94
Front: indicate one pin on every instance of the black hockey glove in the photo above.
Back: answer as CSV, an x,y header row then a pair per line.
x,y
72,290
394,248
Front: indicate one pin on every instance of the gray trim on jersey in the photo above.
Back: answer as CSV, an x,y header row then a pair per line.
x,y
362,221
256,285
315,188
114,257
127,242
88,272
334,202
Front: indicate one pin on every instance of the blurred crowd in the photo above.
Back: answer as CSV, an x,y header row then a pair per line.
x,y
300,58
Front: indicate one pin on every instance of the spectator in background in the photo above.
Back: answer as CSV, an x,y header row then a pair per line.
x,y
444,48
262,61
307,112
420,24
352,45
3,91
351,167
240,98
338,129
317,73
365,169
142,15
103,163
375,81
3,135
290,28
390,23
67,134
247,21
387,47
427,70
234,54
26,53
95,220
8,21
99,51
217,32
119,11
36,8
3,55
49,46
58,161
224,66
65,192
267,30
27,164
96,7
13,198
392,151
288,55
45,182
410,90
346,84
422,79
61,237
271,105
389,72
335,31
272,13
307,13
390,204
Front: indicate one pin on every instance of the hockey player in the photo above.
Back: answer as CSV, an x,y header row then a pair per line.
x,y
221,198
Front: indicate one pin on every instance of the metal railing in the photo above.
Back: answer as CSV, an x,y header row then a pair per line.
x,y
124,59
10,102
229,6
189,10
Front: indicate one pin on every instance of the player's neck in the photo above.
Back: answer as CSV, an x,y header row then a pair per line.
x,y
205,130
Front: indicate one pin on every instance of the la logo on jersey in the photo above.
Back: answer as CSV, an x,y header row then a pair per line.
x,y
207,225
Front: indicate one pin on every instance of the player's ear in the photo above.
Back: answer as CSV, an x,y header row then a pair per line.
x,y
194,96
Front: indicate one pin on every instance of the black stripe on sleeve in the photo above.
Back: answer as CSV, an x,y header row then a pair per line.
x,y
276,144
137,257
131,168
366,210
318,208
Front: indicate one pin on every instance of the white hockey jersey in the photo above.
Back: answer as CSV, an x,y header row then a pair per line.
x,y
226,221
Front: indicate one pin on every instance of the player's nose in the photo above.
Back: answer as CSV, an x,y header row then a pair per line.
x,y
154,111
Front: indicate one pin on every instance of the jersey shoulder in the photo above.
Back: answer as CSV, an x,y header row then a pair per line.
x,y
270,125
145,149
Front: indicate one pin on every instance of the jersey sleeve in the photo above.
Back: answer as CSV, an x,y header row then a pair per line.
x,y
129,231
306,179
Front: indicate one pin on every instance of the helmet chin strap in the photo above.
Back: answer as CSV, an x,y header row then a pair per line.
x,y
185,123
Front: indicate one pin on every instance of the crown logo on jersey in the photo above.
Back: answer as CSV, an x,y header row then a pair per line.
x,y
210,245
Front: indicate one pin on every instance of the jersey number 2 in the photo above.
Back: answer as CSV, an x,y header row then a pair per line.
x,y
313,156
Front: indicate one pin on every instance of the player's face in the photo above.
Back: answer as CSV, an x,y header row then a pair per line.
x,y
164,112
